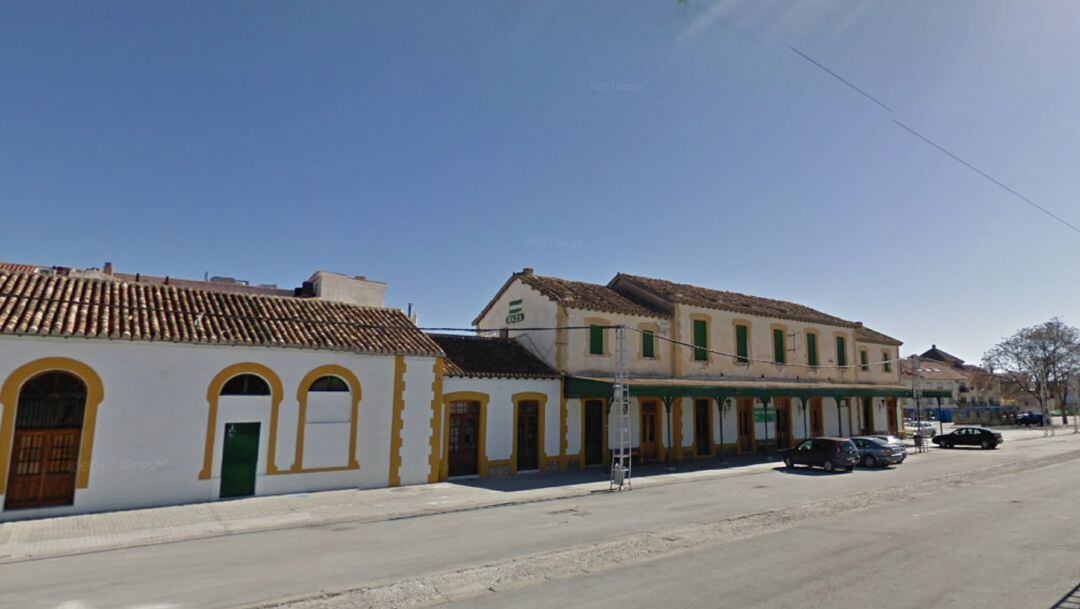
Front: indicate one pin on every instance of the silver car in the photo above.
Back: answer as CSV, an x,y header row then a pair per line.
x,y
893,441
878,453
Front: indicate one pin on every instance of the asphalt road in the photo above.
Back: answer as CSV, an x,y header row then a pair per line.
x,y
786,540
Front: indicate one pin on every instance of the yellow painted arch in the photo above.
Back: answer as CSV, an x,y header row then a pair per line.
x,y
213,394
302,398
9,397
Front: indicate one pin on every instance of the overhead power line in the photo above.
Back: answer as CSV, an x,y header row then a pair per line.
x,y
934,144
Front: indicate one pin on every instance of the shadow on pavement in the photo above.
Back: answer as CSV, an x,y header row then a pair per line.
x,y
532,481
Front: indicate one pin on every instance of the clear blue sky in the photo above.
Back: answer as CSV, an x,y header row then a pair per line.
x,y
441,146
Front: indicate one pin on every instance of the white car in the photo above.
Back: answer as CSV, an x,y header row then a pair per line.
x,y
925,429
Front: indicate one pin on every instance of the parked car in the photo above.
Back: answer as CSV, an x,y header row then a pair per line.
x,y
891,441
829,453
1030,418
969,436
874,452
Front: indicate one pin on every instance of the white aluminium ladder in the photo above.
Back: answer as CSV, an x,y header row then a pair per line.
x,y
620,403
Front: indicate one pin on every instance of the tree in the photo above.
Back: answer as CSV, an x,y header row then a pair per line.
x,y
1040,361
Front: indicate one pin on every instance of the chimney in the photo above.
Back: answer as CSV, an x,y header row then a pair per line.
x,y
527,271
107,269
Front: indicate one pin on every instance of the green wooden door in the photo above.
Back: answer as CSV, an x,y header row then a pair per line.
x,y
239,459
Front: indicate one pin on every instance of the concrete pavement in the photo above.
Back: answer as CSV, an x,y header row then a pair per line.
x,y
267,566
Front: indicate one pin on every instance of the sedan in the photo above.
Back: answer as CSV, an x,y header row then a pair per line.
x,y
829,453
969,436
1030,418
874,452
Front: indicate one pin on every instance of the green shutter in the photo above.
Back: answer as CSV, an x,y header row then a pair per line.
x,y
742,344
811,350
779,352
885,361
647,342
596,340
864,361
841,351
701,340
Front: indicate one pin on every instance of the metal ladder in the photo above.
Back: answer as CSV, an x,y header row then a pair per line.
x,y
620,457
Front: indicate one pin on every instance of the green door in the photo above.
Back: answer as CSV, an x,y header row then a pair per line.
x,y
239,459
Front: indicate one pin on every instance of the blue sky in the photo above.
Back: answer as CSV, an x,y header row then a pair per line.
x,y
441,146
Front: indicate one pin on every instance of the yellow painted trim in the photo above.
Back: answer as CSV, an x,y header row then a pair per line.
x,y
749,341
9,398
563,426
603,430
213,394
436,420
465,396
596,321
541,406
302,392
701,363
397,421
784,332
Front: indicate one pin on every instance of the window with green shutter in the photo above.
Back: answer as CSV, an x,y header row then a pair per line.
x,y
701,340
864,360
841,351
885,361
596,340
648,348
779,351
811,350
742,344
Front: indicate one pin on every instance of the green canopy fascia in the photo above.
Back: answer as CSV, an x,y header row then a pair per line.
x,y
574,387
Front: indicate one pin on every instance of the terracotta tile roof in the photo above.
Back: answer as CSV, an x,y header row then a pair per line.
x,y
866,335
576,295
692,295
39,305
934,353
478,356
15,267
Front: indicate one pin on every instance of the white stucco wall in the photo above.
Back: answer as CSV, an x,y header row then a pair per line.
x,y
538,312
151,426
501,427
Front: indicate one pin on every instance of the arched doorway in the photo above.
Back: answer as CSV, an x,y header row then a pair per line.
x,y
45,451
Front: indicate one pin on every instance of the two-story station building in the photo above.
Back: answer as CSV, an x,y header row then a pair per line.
x,y
711,371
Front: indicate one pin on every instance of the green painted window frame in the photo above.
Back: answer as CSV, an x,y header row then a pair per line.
x,y
742,343
864,360
811,350
841,351
596,340
648,344
779,348
701,340
885,361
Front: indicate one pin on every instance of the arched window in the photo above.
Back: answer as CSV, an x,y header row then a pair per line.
x,y
329,383
245,384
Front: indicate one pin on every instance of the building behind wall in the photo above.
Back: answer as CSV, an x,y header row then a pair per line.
x,y
740,373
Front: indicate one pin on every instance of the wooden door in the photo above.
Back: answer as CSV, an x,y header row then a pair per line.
x,y
867,416
745,420
464,440
702,428
783,422
817,417
528,453
593,432
649,447
891,406
43,467
239,459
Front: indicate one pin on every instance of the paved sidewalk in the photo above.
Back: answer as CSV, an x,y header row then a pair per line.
x,y
48,537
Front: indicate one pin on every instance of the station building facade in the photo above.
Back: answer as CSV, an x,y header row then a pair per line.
x,y
711,371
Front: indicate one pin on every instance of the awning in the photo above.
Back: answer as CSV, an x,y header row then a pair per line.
x,y
591,387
